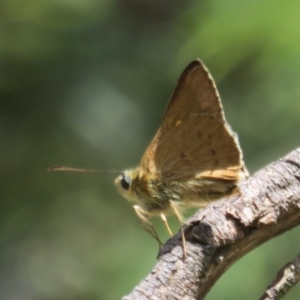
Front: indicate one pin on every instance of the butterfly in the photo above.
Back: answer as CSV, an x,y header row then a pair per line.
x,y
193,159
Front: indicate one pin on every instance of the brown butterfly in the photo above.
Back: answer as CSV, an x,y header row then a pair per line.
x,y
193,159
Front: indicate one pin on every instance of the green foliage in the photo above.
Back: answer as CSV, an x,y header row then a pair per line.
x,y
84,84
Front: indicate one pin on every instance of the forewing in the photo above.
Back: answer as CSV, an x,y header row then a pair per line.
x,y
194,140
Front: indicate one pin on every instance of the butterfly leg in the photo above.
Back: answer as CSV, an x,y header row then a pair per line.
x,y
180,220
164,219
147,225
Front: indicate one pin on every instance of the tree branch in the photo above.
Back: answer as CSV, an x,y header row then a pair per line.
x,y
268,204
286,278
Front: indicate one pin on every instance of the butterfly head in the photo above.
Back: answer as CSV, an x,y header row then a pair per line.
x,y
124,184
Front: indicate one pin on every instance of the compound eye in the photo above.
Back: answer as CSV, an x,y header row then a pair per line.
x,y
125,182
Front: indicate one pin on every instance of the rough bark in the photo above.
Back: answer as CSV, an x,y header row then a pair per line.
x,y
286,278
268,204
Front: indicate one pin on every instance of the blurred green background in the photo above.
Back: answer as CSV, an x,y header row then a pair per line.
x,y
85,84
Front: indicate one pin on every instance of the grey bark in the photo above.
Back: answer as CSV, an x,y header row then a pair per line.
x,y
217,236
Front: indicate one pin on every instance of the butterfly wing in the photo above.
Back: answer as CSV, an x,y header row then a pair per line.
x,y
194,140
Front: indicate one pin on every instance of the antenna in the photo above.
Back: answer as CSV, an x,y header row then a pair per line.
x,y
67,169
